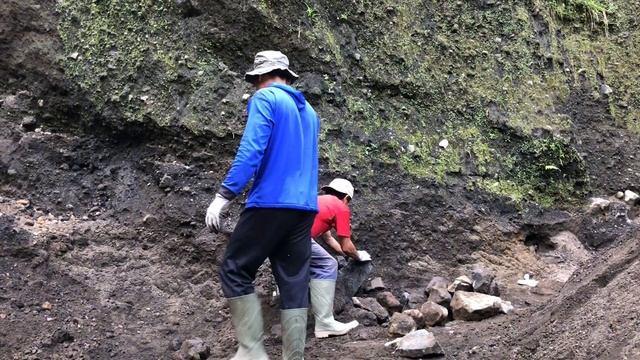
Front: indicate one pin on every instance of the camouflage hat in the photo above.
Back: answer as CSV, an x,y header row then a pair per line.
x,y
267,61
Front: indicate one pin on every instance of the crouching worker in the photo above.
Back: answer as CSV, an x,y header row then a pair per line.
x,y
333,213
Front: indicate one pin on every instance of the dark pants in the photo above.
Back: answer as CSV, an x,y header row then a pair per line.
x,y
282,235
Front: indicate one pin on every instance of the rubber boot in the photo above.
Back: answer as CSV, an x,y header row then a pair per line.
x,y
246,316
294,333
322,294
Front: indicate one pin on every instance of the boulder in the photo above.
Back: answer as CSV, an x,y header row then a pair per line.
x,y
417,316
437,282
434,314
389,302
482,279
440,296
371,304
461,283
352,276
417,344
401,324
166,182
193,349
364,317
471,306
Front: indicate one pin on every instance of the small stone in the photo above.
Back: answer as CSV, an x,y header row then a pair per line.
x,y
40,103
46,305
417,344
401,324
437,282
444,144
470,306
61,336
389,302
620,195
102,186
462,283
193,349
411,148
166,182
434,314
3,316
506,307
598,205
630,197
357,56
29,123
23,202
149,219
276,330
10,102
440,296
605,89
375,284
371,304
29,222
417,316
74,55
11,172
245,97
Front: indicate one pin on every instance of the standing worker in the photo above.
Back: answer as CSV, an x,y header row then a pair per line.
x,y
279,150
333,213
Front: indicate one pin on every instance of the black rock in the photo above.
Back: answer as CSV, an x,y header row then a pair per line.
x,y
188,8
350,279
61,336
166,182
29,123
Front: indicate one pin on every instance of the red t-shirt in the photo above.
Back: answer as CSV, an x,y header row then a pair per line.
x,y
332,213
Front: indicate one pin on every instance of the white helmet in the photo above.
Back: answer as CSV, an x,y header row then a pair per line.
x,y
340,185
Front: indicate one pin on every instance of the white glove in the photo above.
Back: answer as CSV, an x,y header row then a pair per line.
x,y
217,207
363,256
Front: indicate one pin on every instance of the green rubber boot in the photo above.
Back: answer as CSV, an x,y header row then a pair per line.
x,y
294,333
246,316
322,294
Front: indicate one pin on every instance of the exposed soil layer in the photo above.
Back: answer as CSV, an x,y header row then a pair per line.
x,y
104,254
121,254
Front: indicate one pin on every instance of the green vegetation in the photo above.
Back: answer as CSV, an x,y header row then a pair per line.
x,y
591,11
111,45
403,76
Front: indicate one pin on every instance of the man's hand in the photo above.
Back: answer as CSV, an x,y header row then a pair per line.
x,y
347,247
217,207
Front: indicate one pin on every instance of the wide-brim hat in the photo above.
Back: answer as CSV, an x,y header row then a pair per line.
x,y
267,61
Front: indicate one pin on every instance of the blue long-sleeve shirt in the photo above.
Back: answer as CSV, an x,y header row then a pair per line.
x,y
279,150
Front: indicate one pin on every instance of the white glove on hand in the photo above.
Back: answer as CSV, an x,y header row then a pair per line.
x,y
363,256
218,205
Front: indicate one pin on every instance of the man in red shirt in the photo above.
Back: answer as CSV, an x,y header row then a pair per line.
x,y
333,213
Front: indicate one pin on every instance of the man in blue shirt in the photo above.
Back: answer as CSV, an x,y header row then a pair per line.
x,y
279,151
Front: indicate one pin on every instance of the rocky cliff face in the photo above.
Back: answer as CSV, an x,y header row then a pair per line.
x,y
537,100
522,90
